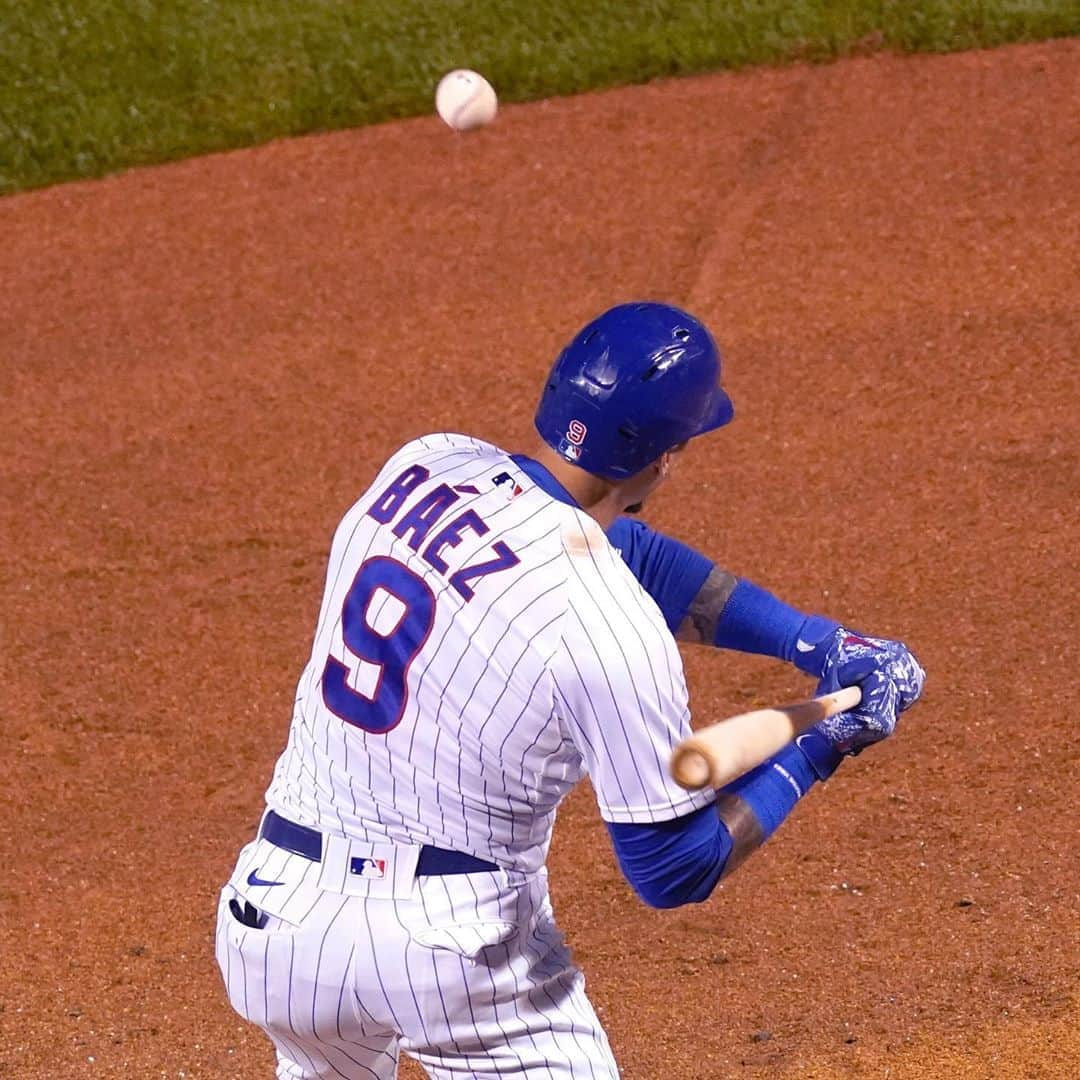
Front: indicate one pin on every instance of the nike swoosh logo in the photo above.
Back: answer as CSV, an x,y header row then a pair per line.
x,y
254,879
802,646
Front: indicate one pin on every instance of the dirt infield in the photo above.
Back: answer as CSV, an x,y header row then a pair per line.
x,y
203,364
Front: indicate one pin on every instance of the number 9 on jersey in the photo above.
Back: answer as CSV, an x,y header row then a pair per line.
x,y
385,620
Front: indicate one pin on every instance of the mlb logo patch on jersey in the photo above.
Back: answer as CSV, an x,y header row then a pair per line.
x,y
368,868
513,490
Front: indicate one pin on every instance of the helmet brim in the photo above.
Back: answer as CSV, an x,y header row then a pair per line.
x,y
723,412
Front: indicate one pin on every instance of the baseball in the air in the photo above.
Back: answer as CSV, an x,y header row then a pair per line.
x,y
465,100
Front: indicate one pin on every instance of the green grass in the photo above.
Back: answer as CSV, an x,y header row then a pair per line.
x,y
91,86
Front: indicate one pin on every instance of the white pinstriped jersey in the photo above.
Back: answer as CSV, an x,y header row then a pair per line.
x,y
480,647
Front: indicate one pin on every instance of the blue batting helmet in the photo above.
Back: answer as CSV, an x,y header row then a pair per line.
x,y
638,380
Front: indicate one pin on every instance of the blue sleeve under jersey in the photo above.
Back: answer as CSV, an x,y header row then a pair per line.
x,y
670,572
674,862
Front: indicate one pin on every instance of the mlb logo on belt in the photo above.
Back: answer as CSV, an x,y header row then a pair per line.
x,y
368,868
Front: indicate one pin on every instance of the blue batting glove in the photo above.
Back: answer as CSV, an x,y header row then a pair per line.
x,y
889,676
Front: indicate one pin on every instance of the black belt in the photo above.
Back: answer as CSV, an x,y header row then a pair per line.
x,y
301,840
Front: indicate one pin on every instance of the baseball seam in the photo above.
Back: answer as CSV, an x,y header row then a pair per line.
x,y
458,114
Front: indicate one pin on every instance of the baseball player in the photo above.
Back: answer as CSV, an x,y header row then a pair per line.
x,y
494,627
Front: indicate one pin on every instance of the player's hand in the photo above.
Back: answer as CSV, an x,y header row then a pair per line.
x,y
891,680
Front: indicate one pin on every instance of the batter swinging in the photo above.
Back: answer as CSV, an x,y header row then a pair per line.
x,y
493,628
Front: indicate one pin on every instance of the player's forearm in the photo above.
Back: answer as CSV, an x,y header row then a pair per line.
x,y
678,862
744,829
733,613
699,625
753,807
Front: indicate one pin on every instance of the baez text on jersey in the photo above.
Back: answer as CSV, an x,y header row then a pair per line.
x,y
416,525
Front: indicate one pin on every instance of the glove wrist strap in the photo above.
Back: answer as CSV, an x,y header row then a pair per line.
x,y
809,651
821,755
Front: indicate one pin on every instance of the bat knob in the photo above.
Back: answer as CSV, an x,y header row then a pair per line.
x,y
690,768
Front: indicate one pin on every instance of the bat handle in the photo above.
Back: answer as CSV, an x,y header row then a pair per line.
x,y
837,702
693,763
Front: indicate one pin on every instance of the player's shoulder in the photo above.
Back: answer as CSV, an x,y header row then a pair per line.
x,y
444,444
596,566
437,453
602,589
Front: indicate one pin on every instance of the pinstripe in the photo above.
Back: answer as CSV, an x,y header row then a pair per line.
x,y
333,585
586,1056
341,990
345,981
443,590
378,974
266,982
448,631
289,998
288,892
577,999
600,727
414,816
628,735
537,978
658,720
675,690
525,1023
223,914
360,1007
495,993
330,1048
318,963
510,729
618,712
450,678
465,980
633,623
521,656
287,779
636,594
297,1051
568,711
493,605
509,625
358,1064
243,967
341,570
435,974
405,968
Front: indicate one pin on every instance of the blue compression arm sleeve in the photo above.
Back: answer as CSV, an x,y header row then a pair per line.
x,y
670,572
752,621
680,861
755,621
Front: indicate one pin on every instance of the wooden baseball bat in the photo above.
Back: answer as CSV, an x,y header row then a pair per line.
x,y
717,754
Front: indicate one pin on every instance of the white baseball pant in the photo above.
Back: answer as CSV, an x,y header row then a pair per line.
x,y
465,972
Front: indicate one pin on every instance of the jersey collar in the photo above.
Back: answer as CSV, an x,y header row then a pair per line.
x,y
543,479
